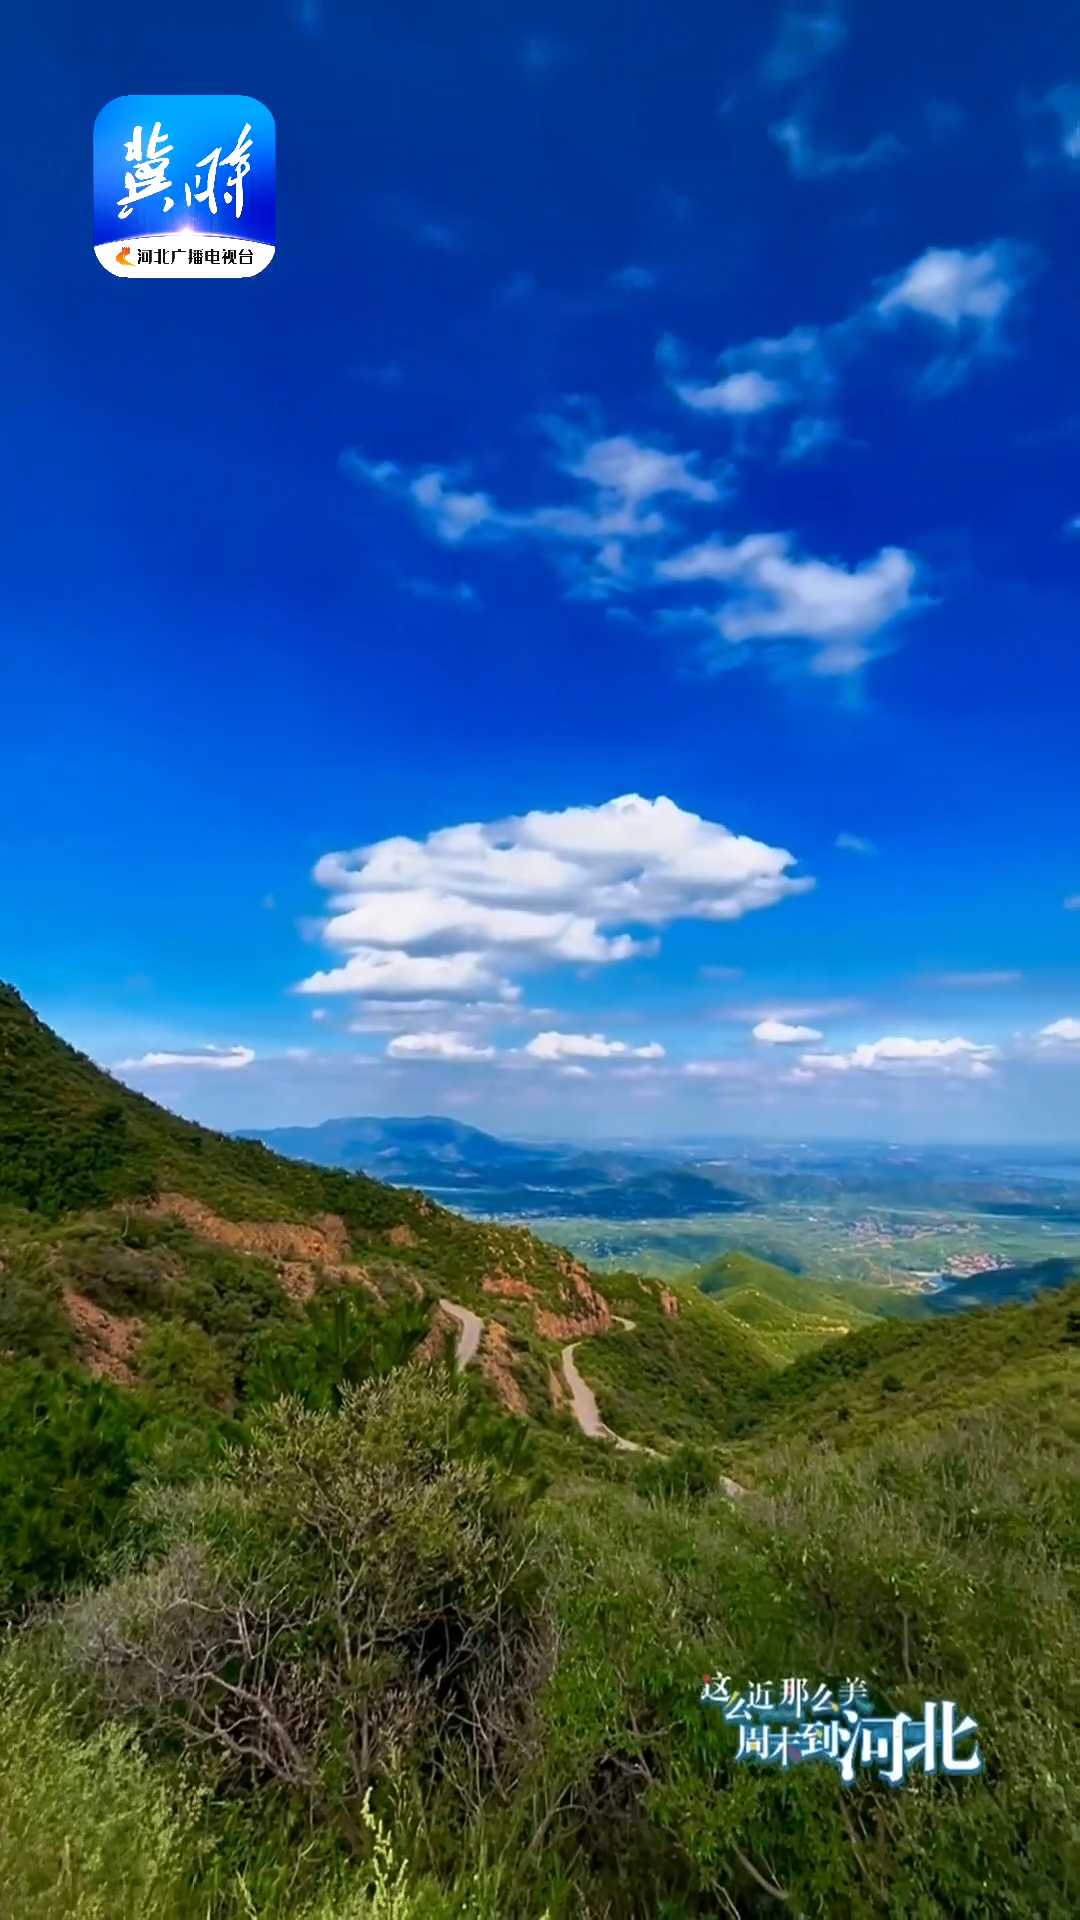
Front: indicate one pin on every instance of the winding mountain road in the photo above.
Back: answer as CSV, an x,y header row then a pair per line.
x,y
582,1398
472,1328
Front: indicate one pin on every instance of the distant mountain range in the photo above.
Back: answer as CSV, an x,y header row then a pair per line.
x,y
480,1174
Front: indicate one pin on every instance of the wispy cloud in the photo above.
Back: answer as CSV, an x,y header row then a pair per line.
x,y
1054,126
437,1046
805,38
1066,1031
809,160
217,1059
769,594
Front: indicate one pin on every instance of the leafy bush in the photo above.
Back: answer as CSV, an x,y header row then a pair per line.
x,y
183,1368
347,1598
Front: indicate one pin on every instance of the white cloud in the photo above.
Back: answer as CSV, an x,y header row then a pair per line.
x,y
854,843
777,1033
738,393
772,596
804,39
955,286
626,473
808,437
1067,1029
588,1046
458,913
219,1059
898,1054
436,1046
756,377
809,161
964,291
1072,903
377,972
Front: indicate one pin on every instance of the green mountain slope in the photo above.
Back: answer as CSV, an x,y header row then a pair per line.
x,y
788,1313
928,1372
158,1253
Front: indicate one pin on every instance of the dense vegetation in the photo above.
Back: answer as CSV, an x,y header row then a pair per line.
x,y
298,1627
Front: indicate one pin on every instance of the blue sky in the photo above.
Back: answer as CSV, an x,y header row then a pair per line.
x,y
587,640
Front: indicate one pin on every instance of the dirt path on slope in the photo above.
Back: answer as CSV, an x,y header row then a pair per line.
x,y
583,1400
472,1328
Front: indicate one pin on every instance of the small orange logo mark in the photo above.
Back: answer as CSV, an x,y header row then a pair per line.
x,y
123,258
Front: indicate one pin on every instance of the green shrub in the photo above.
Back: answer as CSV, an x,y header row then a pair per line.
x,y
184,1368
33,1323
339,1341
348,1598
68,1457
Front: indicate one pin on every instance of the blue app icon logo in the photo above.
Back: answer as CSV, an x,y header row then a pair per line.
x,y
184,186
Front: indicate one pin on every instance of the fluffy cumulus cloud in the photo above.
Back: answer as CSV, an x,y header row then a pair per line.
x,y
589,1046
437,1046
898,1054
1066,1031
778,1033
457,915
217,1059
770,594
